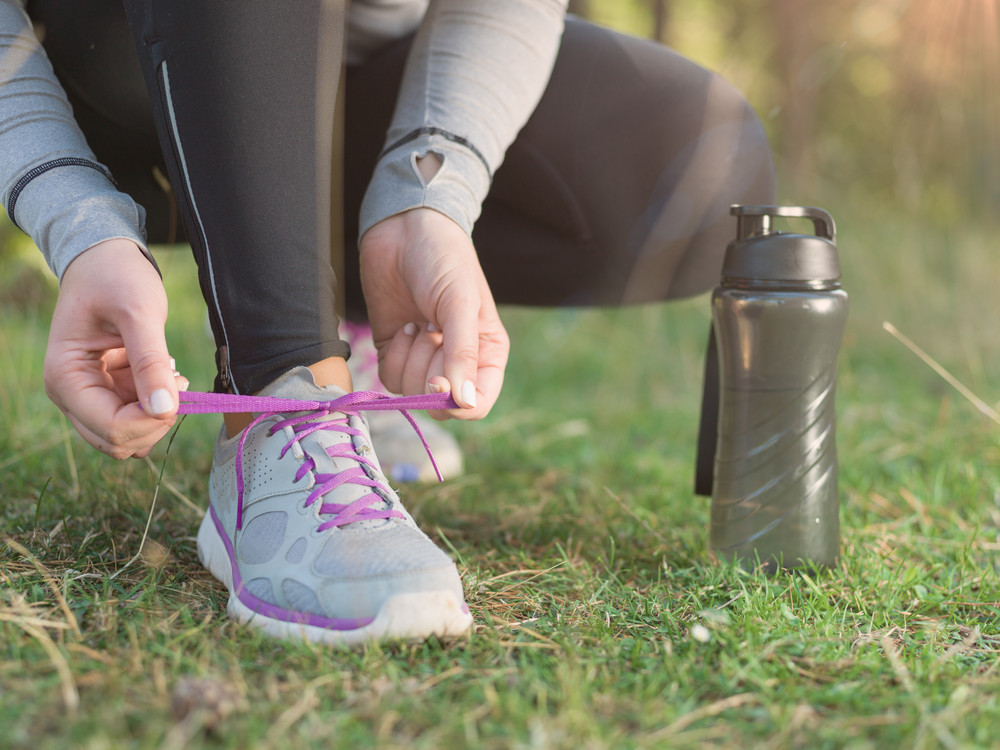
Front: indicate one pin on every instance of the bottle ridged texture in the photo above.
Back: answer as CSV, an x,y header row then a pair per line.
x,y
775,497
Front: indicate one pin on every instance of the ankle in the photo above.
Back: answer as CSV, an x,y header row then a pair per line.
x,y
236,422
333,371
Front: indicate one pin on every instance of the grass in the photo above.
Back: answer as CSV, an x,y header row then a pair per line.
x,y
601,620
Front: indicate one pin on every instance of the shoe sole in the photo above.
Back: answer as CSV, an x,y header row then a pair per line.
x,y
403,617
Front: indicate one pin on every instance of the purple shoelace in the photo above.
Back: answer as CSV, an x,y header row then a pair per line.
x,y
313,420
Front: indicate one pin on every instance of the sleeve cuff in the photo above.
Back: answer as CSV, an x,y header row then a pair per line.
x,y
69,210
457,190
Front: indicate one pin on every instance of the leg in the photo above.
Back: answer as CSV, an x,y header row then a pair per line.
x,y
248,141
618,188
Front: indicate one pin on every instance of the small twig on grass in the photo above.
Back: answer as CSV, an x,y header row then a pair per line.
x,y
172,489
38,622
969,639
297,710
928,720
142,541
152,506
954,382
534,572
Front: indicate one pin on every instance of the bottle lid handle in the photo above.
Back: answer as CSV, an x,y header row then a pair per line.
x,y
753,221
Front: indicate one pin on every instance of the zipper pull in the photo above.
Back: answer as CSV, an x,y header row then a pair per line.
x,y
225,379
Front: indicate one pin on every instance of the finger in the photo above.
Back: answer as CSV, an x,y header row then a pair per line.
x,y
392,358
115,359
152,366
426,346
124,384
122,445
438,384
460,323
494,348
182,382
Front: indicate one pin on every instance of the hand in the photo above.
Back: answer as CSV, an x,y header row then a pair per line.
x,y
433,317
107,353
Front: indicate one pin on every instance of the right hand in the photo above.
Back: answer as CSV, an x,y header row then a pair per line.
x,y
107,365
417,268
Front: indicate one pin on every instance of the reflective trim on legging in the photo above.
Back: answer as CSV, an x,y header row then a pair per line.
x,y
195,222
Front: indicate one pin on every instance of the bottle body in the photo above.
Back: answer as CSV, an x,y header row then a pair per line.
x,y
775,497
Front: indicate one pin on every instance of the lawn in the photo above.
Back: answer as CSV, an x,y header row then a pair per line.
x,y
601,619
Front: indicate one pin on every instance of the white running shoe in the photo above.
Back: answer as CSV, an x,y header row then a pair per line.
x,y
310,540
402,456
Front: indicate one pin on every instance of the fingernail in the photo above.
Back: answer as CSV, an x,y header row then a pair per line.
x,y
432,328
173,364
434,388
410,328
469,393
160,402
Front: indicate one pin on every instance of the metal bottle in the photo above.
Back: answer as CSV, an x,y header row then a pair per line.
x,y
778,319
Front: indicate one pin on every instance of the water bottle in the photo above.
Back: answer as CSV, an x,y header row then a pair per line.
x,y
778,319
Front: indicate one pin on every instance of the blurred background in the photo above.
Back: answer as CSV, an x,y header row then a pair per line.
x,y
892,102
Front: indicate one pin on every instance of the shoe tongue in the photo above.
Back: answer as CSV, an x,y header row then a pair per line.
x,y
300,384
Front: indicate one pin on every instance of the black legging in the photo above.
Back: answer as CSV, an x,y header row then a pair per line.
x,y
616,191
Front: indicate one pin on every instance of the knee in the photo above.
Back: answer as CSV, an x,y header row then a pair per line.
x,y
723,158
731,164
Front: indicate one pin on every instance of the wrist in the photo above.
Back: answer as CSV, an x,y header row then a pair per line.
x,y
110,251
116,249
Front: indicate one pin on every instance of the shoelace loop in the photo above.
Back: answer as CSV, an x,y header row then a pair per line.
x,y
308,422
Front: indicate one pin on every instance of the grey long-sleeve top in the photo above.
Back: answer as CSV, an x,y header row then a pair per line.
x,y
475,73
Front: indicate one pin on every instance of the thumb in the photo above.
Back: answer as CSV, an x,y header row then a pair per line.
x,y
151,366
461,355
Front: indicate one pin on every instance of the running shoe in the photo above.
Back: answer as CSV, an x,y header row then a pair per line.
x,y
311,541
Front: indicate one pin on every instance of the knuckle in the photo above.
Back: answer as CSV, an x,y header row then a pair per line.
x,y
502,340
467,353
116,438
458,299
146,362
118,453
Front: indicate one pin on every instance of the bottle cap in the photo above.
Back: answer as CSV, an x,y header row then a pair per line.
x,y
759,254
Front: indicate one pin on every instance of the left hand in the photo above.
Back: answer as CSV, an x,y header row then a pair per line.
x,y
433,318
107,365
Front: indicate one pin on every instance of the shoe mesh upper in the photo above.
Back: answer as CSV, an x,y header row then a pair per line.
x,y
393,549
263,536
